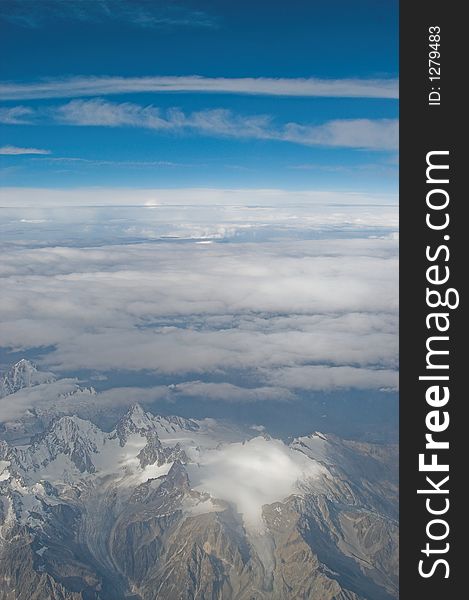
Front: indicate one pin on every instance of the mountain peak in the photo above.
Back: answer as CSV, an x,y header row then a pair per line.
x,y
71,423
135,420
24,363
23,367
21,375
137,416
69,436
68,430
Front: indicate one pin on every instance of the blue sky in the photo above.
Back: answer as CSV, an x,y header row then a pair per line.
x,y
297,95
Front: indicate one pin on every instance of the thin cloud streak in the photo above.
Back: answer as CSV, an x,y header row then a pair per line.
x,y
16,151
368,134
265,86
118,163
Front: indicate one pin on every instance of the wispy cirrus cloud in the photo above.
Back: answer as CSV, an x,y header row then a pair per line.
x,y
118,163
370,134
138,13
379,134
308,87
16,150
16,115
99,112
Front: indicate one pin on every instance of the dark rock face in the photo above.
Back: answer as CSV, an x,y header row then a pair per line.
x,y
155,453
88,515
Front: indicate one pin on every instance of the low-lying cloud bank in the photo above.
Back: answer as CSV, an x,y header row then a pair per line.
x,y
289,315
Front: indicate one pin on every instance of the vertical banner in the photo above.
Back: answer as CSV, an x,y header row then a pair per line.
x,y
432,263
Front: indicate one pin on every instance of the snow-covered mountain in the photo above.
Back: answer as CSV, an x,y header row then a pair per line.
x,y
21,375
31,399
168,508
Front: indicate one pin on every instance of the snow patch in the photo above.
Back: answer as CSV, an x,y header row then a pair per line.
x,y
154,471
4,472
193,508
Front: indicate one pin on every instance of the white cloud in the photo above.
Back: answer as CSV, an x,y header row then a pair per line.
x,y
320,377
252,474
379,134
102,86
382,134
16,150
65,395
227,392
119,163
98,112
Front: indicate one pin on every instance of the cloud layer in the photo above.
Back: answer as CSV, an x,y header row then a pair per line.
x,y
288,315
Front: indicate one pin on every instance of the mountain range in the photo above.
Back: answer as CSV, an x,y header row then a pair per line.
x,y
165,507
